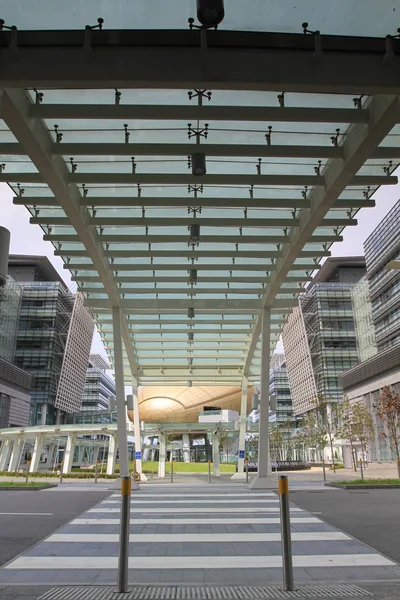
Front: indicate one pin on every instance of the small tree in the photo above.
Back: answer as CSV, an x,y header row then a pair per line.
x,y
363,425
327,422
346,427
387,410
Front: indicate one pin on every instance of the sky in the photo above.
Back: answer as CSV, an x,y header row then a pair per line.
x,y
28,239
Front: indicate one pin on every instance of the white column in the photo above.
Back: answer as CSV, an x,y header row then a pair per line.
x,y
5,453
186,447
112,454
16,454
69,454
242,432
161,454
37,452
215,454
120,394
264,479
136,431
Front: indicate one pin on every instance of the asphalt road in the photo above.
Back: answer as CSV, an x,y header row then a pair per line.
x,y
50,509
371,516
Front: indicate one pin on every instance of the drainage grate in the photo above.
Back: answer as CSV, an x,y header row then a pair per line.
x,y
274,592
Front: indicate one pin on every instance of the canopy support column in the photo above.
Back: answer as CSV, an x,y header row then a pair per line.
x,y
120,394
264,478
242,432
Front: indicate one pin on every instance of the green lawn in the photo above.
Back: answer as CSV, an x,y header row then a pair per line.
x,y
21,483
370,482
181,467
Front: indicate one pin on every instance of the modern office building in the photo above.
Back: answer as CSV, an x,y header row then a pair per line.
x,y
99,390
381,247
53,339
279,391
319,337
15,384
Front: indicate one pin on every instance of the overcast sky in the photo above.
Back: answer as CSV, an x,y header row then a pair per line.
x,y
28,239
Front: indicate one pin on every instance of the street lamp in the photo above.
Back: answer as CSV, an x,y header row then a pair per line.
x,y
210,13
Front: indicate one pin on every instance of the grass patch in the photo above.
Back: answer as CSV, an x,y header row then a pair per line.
x,y
370,482
22,483
182,467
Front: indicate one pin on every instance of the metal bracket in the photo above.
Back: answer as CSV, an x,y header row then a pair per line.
x,y
197,132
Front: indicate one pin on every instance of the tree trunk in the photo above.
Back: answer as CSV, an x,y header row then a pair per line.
x,y
353,456
333,456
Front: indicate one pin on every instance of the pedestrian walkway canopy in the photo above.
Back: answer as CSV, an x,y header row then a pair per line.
x,y
193,180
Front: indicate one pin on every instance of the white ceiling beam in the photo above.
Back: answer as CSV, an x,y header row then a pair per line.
x,y
132,202
358,145
185,267
189,179
176,305
36,141
195,291
268,238
134,253
185,221
178,279
239,60
208,112
166,321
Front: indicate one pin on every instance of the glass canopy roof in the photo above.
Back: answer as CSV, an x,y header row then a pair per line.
x,y
108,173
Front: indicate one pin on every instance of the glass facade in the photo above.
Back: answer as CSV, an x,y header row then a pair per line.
x,y
99,390
279,391
363,321
382,246
46,309
10,298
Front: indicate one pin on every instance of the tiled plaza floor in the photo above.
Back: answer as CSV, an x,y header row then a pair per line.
x,y
201,534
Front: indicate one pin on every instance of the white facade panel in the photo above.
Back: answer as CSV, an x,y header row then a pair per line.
x,y
298,363
76,356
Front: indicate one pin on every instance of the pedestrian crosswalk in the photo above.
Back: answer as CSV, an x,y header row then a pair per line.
x,y
217,534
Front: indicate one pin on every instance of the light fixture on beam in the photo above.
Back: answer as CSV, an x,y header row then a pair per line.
x,y
199,164
194,233
210,13
189,384
190,336
191,312
193,276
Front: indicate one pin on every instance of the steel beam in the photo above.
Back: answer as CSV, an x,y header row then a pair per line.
x,y
132,202
177,305
310,266
233,60
268,238
36,141
178,279
133,253
359,144
195,291
165,112
185,179
185,221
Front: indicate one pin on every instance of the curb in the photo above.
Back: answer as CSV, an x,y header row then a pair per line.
x,y
387,486
37,488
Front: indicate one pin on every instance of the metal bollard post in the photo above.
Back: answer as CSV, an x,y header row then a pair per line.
x,y
96,471
61,471
28,462
323,469
287,561
361,469
247,470
123,558
209,471
171,467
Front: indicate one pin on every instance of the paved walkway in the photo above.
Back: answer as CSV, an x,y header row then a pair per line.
x,y
216,534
